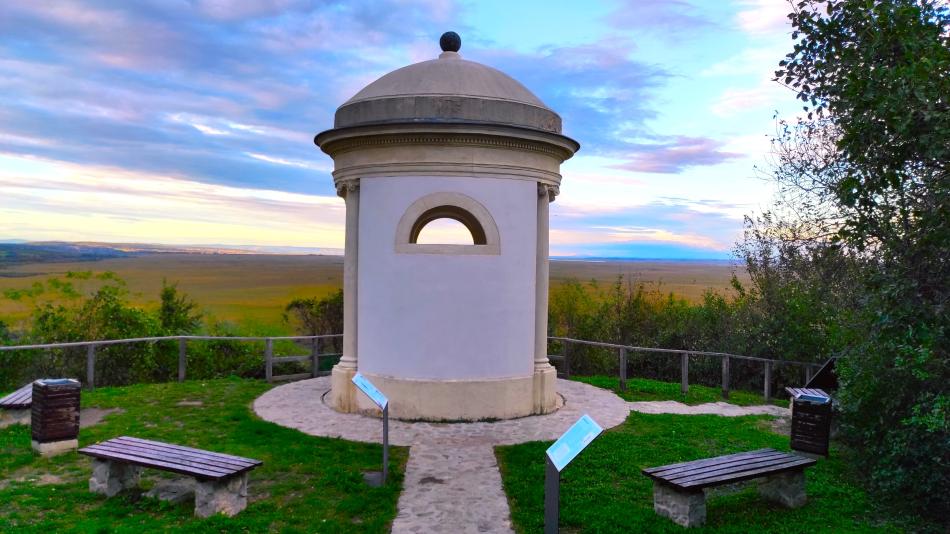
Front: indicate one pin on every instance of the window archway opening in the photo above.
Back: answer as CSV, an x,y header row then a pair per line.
x,y
447,225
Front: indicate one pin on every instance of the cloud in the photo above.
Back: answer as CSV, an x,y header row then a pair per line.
x,y
764,17
191,88
684,228
660,16
676,154
734,101
51,200
603,95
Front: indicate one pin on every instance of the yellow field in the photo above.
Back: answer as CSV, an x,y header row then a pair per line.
x,y
686,279
251,290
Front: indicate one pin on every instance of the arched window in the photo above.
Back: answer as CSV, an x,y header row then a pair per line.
x,y
432,212
438,214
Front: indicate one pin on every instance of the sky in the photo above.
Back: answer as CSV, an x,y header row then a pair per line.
x,y
192,121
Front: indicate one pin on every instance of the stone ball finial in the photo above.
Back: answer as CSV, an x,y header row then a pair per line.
x,y
450,42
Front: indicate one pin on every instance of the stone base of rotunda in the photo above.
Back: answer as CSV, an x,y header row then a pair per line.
x,y
453,400
545,390
343,393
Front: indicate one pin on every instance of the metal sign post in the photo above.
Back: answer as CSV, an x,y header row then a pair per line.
x,y
385,442
376,478
558,455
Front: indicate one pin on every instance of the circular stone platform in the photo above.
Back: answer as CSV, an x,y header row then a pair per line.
x,y
302,405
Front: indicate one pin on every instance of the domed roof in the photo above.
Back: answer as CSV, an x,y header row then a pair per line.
x,y
447,89
450,75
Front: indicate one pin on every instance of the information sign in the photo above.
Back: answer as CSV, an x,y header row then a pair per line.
x,y
572,442
367,387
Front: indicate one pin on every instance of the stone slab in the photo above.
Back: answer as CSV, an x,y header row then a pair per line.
x,y
452,490
304,406
175,491
54,448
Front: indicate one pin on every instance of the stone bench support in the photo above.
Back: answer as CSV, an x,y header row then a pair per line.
x,y
688,508
228,496
110,478
787,489
685,508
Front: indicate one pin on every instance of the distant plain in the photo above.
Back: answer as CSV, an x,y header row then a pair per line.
x,y
251,290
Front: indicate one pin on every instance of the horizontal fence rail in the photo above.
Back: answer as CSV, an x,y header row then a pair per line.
x,y
623,352
269,359
316,355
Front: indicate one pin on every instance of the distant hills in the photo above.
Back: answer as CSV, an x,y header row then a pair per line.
x,y
18,252
15,252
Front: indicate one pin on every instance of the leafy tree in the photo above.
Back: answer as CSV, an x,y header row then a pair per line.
x,y
315,317
177,313
875,80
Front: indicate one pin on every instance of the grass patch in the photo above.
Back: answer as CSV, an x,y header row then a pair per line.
x,y
307,484
604,491
643,389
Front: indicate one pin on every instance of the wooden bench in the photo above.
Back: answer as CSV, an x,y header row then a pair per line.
x,y
678,489
15,407
220,479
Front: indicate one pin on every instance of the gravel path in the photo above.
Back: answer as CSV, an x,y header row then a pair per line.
x,y
710,408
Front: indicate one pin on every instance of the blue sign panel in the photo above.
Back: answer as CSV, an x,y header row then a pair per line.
x,y
367,387
572,442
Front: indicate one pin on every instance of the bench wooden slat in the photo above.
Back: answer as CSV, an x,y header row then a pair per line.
x,y
109,448
189,449
182,467
155,464
756,473
204,457
710,461
175,458
21,398
714,463
223,459
198,463
737,470
736,465
726,469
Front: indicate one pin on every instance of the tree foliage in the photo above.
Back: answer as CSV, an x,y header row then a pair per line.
x,y
865,178
177,313
315,316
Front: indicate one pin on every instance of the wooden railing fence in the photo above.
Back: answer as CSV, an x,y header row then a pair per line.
x,y
622,351
314,357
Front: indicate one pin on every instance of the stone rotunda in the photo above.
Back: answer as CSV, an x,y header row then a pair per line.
x,y
446,331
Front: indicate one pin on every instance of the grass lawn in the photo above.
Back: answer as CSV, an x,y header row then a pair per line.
x,y
604,491
642,389
307,484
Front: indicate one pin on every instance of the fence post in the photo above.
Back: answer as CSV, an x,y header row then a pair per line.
x,y
567,359
91,366
725,377
315,357
767,389
807,374
182,357
623,369
268,359
684,371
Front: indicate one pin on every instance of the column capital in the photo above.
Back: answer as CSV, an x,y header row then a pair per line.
x,y
342,188
550,190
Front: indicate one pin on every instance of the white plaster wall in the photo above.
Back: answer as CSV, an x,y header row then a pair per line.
x,y
442,316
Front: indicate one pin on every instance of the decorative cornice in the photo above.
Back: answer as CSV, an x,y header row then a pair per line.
x,y
509,172
341,146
